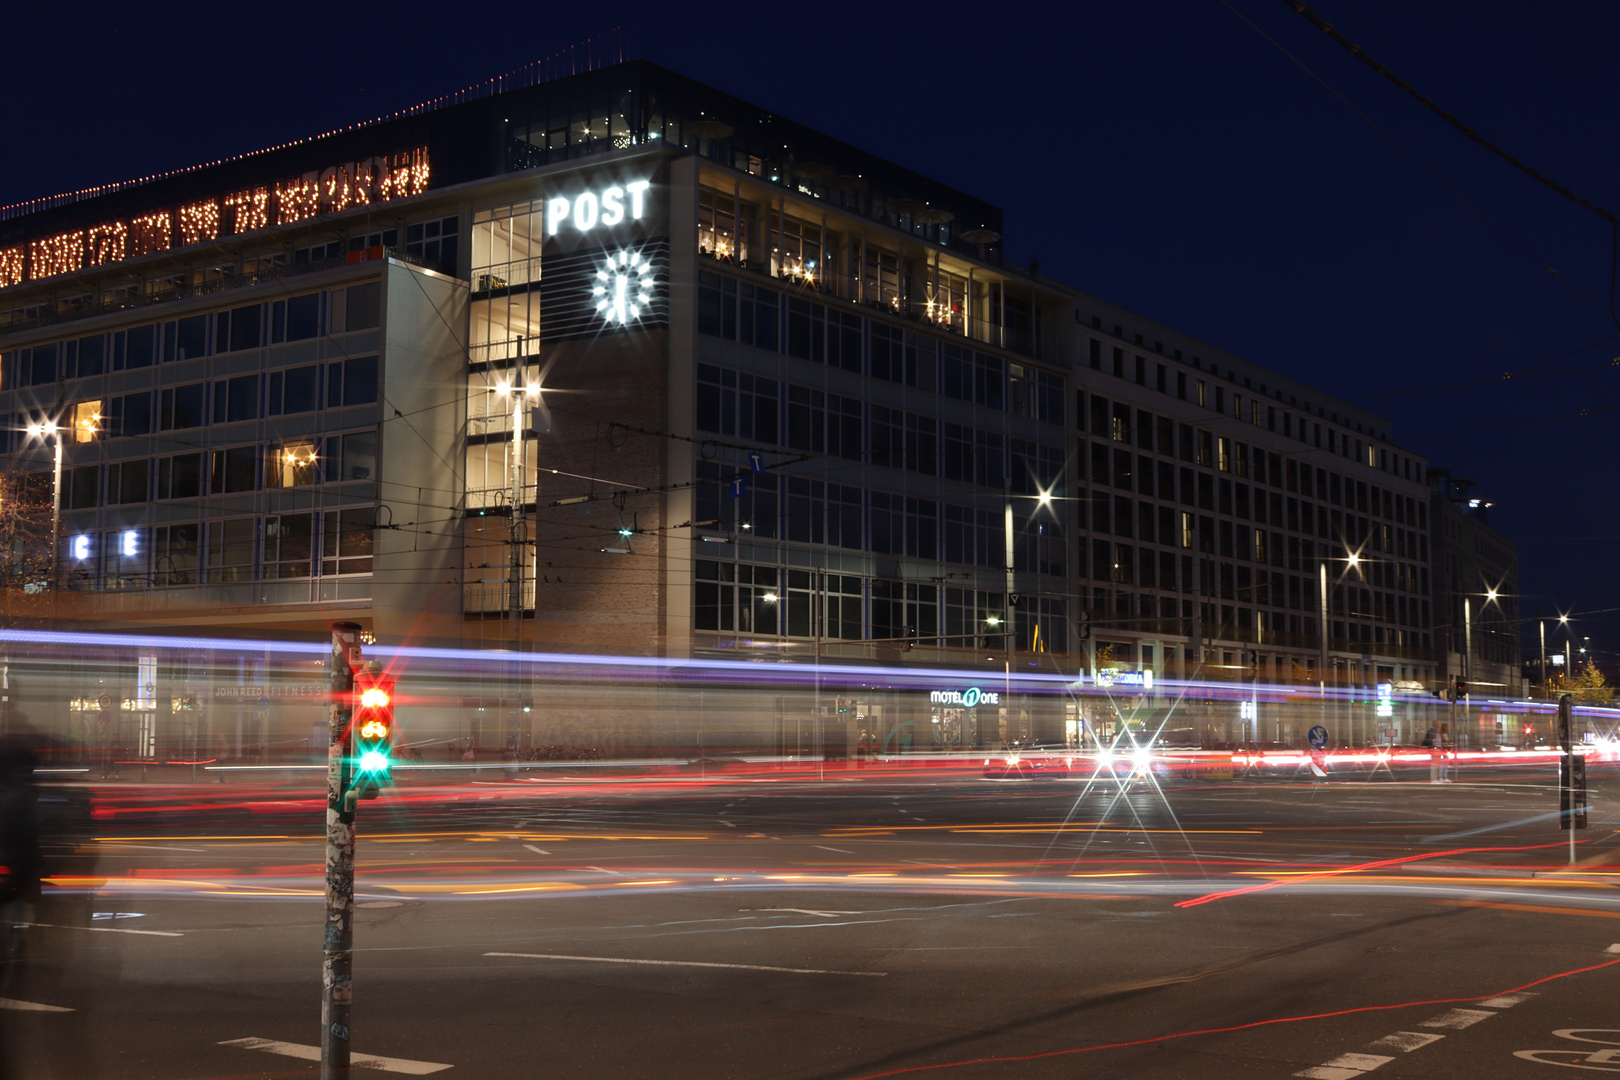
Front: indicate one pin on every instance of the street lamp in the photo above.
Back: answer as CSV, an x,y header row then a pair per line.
x,y
39,431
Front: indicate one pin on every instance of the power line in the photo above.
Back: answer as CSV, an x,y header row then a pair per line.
x,y
1360,54
1407,88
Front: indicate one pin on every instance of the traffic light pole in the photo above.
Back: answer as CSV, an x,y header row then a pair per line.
x,y
337,955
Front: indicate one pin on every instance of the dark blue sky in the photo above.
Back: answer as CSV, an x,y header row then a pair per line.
x,y
1164,156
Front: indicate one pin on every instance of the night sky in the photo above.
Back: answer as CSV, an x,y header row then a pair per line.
x,y
1164,156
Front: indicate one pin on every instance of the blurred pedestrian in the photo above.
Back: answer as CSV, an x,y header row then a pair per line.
x,y
1431,740
1444,744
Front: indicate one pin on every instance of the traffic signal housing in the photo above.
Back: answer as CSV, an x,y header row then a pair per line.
x,y
1459,689
373,726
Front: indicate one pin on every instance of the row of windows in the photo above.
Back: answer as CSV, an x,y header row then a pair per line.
x,y
298,463
1215,397
236,549
1103,512
761,410
1143,608
249,327
222,401
1120,423
823,334
810,511
770,601
1124,564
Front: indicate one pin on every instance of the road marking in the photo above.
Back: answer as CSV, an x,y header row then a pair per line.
x,y
363,1061
1345,1067
1506,1001
1615,948
1457,1019
841,851
106,929
30,1006
537,851
684,963
1406,1041
803,911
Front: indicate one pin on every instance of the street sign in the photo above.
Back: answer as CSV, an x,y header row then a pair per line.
x,y
739,487
1318,736
756,461
105,701
104,716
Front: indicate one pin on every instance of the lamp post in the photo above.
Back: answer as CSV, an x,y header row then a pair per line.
x,y
516,541
42,430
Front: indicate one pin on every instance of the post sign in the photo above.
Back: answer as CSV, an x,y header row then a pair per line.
x,y
1318,736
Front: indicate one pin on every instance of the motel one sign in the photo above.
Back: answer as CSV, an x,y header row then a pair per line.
x,y
965,699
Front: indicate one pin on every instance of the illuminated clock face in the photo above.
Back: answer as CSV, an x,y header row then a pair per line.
x,y
623,288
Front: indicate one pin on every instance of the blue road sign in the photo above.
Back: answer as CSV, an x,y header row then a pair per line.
x,y
1318,736
756,461
739,487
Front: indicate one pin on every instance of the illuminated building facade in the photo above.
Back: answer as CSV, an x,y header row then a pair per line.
x,y
620,363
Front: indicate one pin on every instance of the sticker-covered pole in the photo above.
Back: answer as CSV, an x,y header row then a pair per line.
x,y
337,955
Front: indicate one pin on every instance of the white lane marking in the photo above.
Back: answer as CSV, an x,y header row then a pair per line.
x,y
106,929
728,824
1615,948
1457,1019
1364,1062
684,963
1406,1041
537,851
605,870
363,1061
1327,1072
803,911
1506,1001
100,915
840,850
30,1006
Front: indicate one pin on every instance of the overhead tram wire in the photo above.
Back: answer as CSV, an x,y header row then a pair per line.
x,y
1355,50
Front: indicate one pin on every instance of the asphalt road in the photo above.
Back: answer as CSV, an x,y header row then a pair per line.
x,y
871,922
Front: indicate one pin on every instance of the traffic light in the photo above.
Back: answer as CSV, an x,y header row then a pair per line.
x,y
1460,690
373,725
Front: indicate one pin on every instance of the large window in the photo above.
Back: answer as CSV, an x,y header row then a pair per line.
x,y
737,598
176,552
737,311
434,241
971,376
351,382
230,549
347,539
180,477
824,335
295,390
292,464
722,231
289,545
505,245
181,407
737,404
822,423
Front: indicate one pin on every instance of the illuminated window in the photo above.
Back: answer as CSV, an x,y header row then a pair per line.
x,y
1187,530
85,420
294,464
124,559
721,235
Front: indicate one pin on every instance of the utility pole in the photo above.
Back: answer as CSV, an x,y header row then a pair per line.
x,y
337,955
